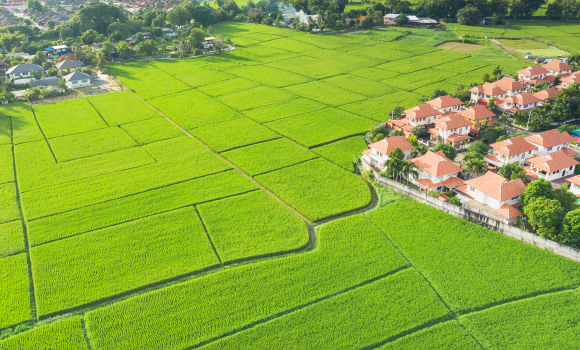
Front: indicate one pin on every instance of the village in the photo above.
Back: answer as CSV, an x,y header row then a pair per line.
x,y
474,180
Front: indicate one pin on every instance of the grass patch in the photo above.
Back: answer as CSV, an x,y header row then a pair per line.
x,y
11,238
149,83
228,86
8,203
269,76
24,127
418,79
461,66
383,52
257,97
307,66
378,109
290,45
6,164
189,73
427,60
360,85
446,335
343,152
14,290
428,90
374,74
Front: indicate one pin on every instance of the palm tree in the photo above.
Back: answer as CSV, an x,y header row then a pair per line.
x,y
394,167
410,169
475,166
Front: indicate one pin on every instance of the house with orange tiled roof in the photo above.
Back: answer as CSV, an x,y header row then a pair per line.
x,y
549,141
378,153
436,172
514,150
450,128
478,115
446,104
568,80
551,166
482,93
422,114
557,67
523,102
534,75
513,87
545,95
574,185
498,195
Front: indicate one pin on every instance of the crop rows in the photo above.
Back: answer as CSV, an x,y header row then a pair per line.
x,y
62,334
68,117
122,107
11,238
14,290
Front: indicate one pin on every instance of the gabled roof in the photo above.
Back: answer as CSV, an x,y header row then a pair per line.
x,y
422,111
455,137
513,146
546,94
524,98
489,89
574,180
450,122
508,211
436,164
533,70
23,68
477,112
569,152
72,64
557,66
74,76
552,162
497,187
392,16
389,144
510,84
445,102
550,138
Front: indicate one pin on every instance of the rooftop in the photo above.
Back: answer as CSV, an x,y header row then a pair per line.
x,y
477,112
546,94
510,84
389,144
422,111
533,70
550,138
524,98
453,121
436,164
445,102
490,89
513,146
552,162
557,66
497,187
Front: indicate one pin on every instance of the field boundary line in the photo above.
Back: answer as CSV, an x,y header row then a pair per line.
x,y
86,333
298,308
252,144
287,166
42,132
143,217
207,234
99,113
453,313
32,292
140,145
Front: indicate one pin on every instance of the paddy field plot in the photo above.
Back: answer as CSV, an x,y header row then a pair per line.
x,y
342,152
69,117
283,110
121,108
11,238
323,92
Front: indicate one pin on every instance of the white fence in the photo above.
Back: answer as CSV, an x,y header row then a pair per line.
x,y
482,220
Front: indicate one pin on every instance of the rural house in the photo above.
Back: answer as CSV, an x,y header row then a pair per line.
x,y
545,95
569,80
422,114
378,154
551,166
77,79
523,102
510,85
549,141
482,93
56,50
208,42
390,19
451,128
436,172
557,67
535,75
70,64
446,104
23,71
514,150
478,115
493,194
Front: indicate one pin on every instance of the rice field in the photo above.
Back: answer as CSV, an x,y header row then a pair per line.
x,y
215,205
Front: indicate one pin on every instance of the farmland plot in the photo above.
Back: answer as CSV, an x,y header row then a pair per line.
x,y
225,87
360,85
257,97
122,107
149,83
11,238
427,60
325,93
283,110
68,117
226,136
290,45
374,74
8,203
14,290
6,164
62,334
378,109
24,127
153,130
418,79
308,66
382,52
342,152
446,335
191,74
269,76
343,61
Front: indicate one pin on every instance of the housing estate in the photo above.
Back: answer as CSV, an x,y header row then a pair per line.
x,y
535,75
446,104
436,172
378,153
23,71
523,102
544,95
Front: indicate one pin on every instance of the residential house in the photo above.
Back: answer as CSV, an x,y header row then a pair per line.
x,y
378,153
478,115
390,19
58,50
451,128
557,67
501,195
551,166
208,42
513,150
422,114
44,82
534,75
545,95
512,86
23,71
568,80
23,55
436,172
482,93
4,65
523,102
146,35
574,185
68,56
446,104
549,141
77,80
69,64
251,12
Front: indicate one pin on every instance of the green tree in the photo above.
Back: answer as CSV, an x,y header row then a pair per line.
x,y
448,150
420,131
98,16
512,171
197,37
540,188
409,169
396,133
469,16
437,93
570,233
418,150
479,147
475,166
124,50
50,23
402,20
545,216
89,37
566,198
567,128
34,6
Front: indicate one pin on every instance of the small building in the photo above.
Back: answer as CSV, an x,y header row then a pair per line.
x,y
478,115
557,67
511,86
23,55
69,64
252,12
497,195
482,93
44,82
540,59
535,75
436,172
4,65
551,166
56,50
208,42
146,35
77,80
523,102
529,55
451,128
446,104
568,80
549,141
514,150
23,71
390,19
378,153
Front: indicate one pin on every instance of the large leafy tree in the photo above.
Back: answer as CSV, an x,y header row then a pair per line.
x,y
469,15
546,216
566,198
570,233
540,188
479,147
512,171
98,16
448,150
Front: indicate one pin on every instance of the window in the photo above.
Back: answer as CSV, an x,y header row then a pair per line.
x,y
523,155
571,167
529,152
516,197
471,189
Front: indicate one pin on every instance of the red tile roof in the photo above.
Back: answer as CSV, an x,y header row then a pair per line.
x,y
367,152
450,122
477,112
508,211
389,144
452,182
524,98
492,157
445,102
513,146
422,111
550,138
546,94
557,66
436,164
533,70
546,79
552,162
428,184
510,84
574,180
489,89
455,137
497,187
569,152
530,173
